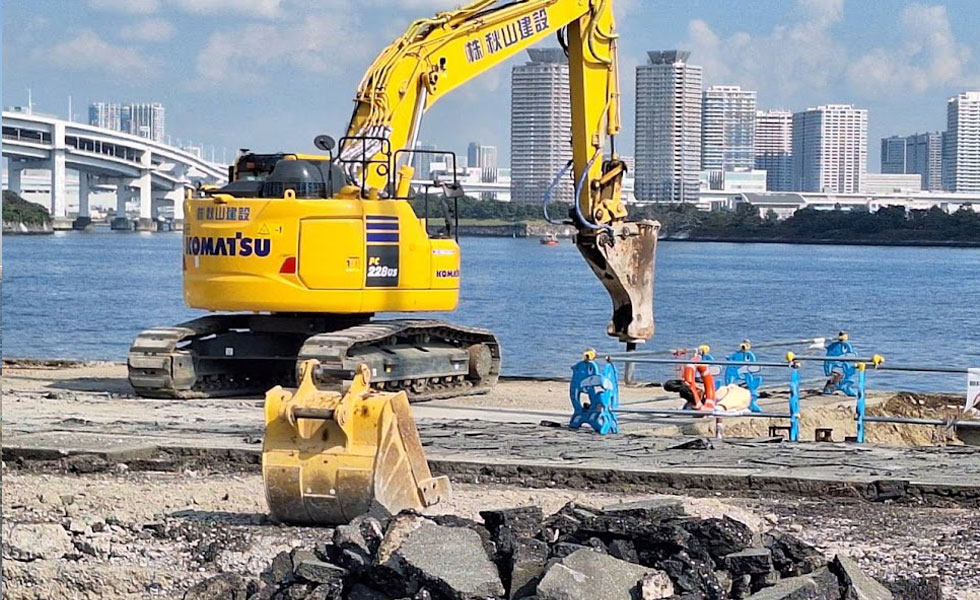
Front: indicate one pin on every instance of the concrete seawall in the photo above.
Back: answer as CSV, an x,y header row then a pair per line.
x,y
516,230
19,228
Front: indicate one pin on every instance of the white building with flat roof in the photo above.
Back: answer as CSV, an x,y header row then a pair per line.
x,y
742,180
961,147
830,149
888,183
540,126
727,128
668,128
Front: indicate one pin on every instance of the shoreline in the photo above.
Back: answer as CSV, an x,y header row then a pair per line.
x,y
528,230
827,242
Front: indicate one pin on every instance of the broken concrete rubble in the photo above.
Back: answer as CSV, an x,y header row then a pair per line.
x,y
35,541
225,586
859,585
450,561
655,586
752,561
528,561
648,551
818,585
589,575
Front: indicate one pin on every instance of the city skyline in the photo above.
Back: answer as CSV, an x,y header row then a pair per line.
x,y
101,51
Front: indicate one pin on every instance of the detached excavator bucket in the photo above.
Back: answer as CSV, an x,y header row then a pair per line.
x,y
623,260
327,458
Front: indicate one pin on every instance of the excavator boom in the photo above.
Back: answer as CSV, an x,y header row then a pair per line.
x,y
329,457
436,55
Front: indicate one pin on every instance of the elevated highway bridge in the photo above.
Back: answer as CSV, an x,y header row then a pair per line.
x,y
152,173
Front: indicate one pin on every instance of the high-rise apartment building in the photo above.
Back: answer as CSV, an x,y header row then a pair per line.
x,y
540,126
668,128
105,115
924,156
774,148
961,145
727,128
145,119
893,154
830,149
422,160
481,157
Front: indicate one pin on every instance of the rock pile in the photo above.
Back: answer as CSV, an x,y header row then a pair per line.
x,y
640,551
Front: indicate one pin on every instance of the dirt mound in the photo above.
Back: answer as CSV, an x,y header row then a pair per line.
x,y
840,418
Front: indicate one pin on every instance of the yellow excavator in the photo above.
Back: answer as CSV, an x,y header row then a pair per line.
x,y
299,252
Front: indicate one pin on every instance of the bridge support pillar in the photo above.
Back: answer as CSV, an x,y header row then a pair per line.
x,y
14,171
143,184
121,221
84,220
174,198
59,199
179,195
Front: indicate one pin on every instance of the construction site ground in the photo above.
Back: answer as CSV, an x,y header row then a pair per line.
x,y
169,491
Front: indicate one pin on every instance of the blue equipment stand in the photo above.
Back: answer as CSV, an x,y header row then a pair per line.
x,y
743,376
794,402
601,384
861,406
840,348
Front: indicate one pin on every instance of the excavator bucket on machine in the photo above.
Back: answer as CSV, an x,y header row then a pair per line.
x,y
328,457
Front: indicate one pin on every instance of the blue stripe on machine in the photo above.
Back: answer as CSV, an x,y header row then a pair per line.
x,y
382,237
382,217
382,226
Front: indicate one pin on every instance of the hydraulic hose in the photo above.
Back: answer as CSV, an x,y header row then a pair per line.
x,y
578,194
551,189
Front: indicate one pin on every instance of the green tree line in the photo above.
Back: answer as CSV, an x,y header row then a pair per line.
x,y
888,224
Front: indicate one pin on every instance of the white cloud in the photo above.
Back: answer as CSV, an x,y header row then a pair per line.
x,y
930,56
251,54
88,52
266,9
784,65
136,7
150,30
824,11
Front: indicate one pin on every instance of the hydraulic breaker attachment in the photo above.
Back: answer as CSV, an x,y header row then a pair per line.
x,y
328,458
622,257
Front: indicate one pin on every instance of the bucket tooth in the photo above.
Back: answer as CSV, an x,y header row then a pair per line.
x,y
328,458
624,261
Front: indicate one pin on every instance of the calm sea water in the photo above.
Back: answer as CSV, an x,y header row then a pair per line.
x,y
86,295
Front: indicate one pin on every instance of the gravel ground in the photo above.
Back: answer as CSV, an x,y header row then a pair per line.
x,y
138,535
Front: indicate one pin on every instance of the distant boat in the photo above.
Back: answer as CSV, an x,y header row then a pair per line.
x,y
550,240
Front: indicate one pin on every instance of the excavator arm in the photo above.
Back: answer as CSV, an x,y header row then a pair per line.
x,y
436,55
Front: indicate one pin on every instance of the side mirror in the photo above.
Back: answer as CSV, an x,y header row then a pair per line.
x,y
324,142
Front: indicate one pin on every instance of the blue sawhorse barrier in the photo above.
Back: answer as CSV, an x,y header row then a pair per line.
x,y
601,384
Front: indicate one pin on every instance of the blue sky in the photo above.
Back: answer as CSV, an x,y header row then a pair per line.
x,y
271,74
